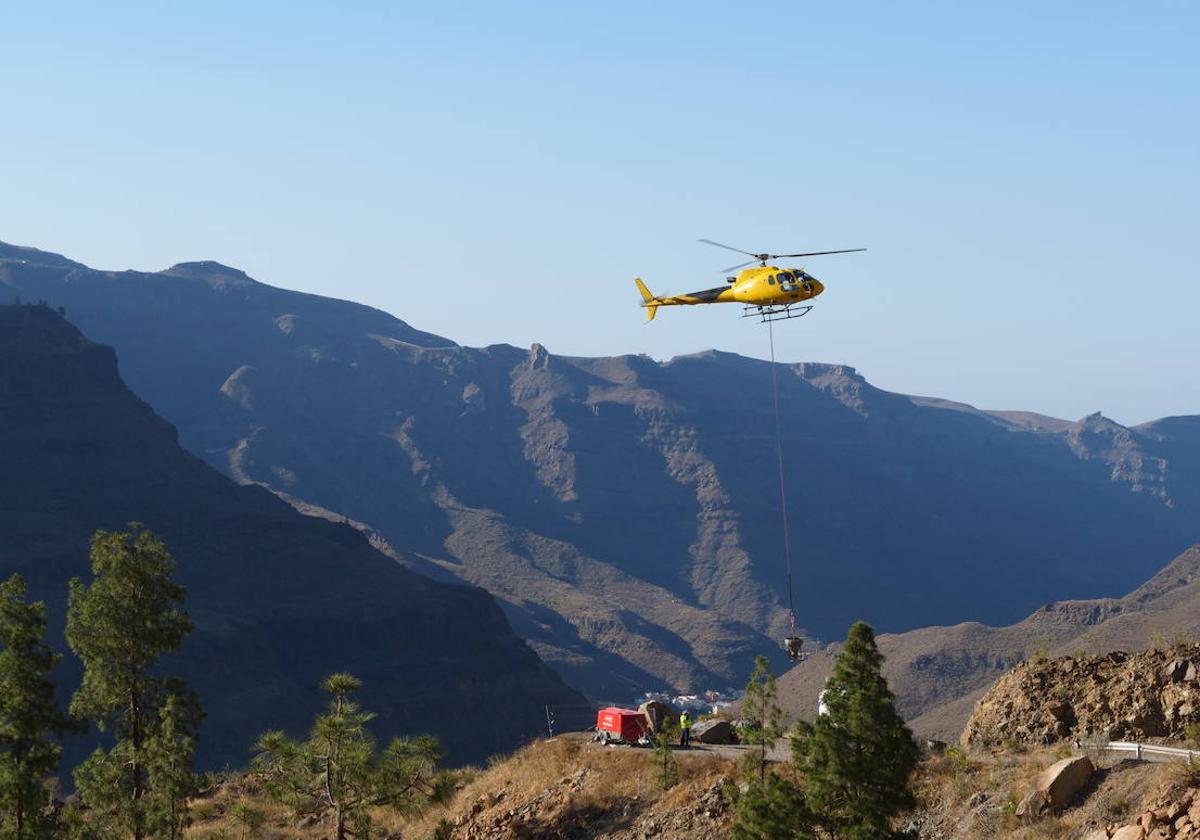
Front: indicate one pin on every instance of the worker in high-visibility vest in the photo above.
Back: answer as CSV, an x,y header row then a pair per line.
x,y
685,730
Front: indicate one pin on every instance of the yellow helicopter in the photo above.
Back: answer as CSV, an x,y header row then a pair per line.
x,y
765,291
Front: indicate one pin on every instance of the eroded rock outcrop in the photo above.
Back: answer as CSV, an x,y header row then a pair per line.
x,y
1118,696
1171,813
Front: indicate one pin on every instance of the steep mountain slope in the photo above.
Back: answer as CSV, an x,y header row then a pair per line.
x,y
625,511
279,600
938,673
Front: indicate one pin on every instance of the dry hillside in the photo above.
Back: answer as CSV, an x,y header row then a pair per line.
x,y
962,797
1014,776
558,788
567,788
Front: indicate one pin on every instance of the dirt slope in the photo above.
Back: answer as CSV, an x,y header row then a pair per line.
x,y
560,788
975,797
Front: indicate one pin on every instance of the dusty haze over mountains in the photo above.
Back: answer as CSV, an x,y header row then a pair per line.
x,y
625,511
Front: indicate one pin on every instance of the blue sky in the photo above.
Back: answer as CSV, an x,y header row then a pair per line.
x,y
1025,175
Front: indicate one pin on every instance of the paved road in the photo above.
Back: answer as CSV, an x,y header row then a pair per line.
x,y
782,751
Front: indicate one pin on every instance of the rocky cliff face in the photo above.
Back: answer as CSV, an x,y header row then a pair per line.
x,y
625,511
1115,697
279,599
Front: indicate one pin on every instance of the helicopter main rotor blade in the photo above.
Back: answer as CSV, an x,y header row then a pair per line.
x,y
818,253
728,248
736,267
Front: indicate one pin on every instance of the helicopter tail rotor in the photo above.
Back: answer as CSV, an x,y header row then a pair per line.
x,y
649,301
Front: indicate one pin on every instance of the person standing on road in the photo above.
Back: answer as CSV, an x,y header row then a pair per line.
x,y
685,730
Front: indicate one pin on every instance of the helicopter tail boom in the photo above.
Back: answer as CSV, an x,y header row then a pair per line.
x,y
649,301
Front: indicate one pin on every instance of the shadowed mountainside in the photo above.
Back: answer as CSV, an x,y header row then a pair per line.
x,y
279,600
625,511
938,673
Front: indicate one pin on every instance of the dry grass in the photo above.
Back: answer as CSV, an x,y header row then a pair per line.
x,y
598,780
213,814
946,785
961,795
610,778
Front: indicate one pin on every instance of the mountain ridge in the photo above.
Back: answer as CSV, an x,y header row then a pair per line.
x,y
624,510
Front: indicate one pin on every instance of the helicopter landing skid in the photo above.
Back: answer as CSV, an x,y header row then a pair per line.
x,y
783,312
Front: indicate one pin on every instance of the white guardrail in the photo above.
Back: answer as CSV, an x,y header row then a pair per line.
x,y
1146,752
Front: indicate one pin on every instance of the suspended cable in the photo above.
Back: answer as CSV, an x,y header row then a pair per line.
x,y
793,649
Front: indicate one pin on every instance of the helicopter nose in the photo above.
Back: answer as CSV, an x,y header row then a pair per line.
x,y
817,286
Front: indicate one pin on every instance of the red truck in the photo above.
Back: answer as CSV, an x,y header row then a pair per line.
x,y
621,726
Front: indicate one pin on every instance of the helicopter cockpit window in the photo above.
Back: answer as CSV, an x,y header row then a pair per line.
x,y
787,281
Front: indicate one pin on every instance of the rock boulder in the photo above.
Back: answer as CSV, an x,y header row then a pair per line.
x,y
1064,779
1056,787
714,731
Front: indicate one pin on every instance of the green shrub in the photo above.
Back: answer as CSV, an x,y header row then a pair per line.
x,y
203,810
1191,734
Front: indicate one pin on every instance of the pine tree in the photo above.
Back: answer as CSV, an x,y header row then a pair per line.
x,y
119,626
664,738
250,819
338,773
765,718
30,717
771,808
857,758
170,755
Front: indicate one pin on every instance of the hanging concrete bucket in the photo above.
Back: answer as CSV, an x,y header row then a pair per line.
x,y
793,644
